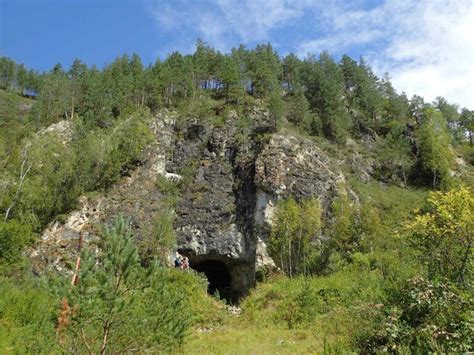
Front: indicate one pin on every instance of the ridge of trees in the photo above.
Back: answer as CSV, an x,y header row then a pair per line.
x,y
340,99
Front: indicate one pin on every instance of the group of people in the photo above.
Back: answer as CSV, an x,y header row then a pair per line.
x,y
181,262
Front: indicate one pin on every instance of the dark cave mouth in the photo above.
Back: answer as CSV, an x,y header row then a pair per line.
x,y
218,276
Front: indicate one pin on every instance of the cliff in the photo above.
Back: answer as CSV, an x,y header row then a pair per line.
x,y
230,175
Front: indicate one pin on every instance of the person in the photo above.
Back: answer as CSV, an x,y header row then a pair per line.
x,y
185,263
178,261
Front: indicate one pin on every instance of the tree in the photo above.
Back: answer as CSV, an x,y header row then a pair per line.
x,y
77,75
362,90
297,107
264,70
451,115
97,102
369,96
55,96
435,156
205,65
417,107
341,229
7,72
176,78
21,78
466,121
324,88
138,78
120,306
396,108
444,235
291,67
228,73
294,234
395,153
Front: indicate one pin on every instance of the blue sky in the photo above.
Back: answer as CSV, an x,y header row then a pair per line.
x,y
427,46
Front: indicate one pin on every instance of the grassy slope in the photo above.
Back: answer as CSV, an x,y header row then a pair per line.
x,y
277,318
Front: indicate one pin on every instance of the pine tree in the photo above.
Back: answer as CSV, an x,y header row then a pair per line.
x,y
324,87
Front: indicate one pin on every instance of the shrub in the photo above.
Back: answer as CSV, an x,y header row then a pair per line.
x,y
423,317
27,317
444,235
13,237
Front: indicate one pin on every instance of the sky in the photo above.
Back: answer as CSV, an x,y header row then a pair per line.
x,y
427,46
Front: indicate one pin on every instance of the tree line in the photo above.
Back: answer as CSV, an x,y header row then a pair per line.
x,y
343,97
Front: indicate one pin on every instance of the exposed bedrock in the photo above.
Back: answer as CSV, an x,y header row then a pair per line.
x,y
232,177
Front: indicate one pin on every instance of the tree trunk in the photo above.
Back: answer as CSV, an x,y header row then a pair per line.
x,y
23,173
404,177
105,338
72,105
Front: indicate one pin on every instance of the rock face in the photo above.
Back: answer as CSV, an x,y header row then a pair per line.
x,y
231,176
290,166
135,197
215,214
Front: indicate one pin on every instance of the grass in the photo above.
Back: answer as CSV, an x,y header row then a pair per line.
x,y
327,314
236,337
277,318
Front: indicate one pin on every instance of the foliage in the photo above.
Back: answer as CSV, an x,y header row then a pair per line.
x,y
14,236
295,234
27,317
126,301
298,110
162,238
394,154
323,81
435,155
116,297
443,235
423,317
341,230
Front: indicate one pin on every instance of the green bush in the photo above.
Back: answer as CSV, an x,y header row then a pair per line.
x,y
13,237
423,317
28,312
443,235
293,238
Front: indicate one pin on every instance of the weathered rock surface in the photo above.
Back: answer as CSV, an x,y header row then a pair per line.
x,y
231,180
215,213
291,166
135,197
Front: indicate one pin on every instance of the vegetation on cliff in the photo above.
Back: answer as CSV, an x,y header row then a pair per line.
x,y
386,268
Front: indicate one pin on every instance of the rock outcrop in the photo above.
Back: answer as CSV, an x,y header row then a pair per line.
x,y
291,166
231,178
135,197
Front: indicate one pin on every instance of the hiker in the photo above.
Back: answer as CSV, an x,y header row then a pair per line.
x,y
185,264
178,261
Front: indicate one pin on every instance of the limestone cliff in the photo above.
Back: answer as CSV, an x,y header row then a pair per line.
x,y
235,174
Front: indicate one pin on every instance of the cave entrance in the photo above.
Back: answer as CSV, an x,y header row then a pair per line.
x,y
218,277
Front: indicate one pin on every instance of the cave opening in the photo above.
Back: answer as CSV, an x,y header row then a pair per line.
x,y
218,277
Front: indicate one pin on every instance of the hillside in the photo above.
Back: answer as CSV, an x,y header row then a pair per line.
x,y
320,210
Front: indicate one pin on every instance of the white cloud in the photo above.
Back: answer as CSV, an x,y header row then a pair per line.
x,y
222,22
335,43
427,46
434,54
252,19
